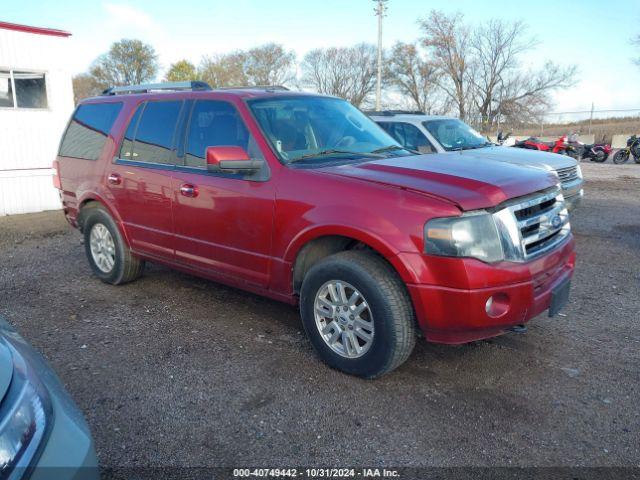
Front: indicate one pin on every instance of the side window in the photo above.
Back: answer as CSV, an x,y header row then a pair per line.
x,y
126,150
215,123
392,129
415,139
88,130
155,133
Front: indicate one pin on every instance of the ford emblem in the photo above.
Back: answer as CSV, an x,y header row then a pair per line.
x,y
556,221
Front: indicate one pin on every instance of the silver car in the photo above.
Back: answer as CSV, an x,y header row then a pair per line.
x,y
43,435
440,134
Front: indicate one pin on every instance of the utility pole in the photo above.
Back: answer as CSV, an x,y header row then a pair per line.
x,y
380,10
591,118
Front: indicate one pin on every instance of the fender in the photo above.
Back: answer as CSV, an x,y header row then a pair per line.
x,y
88,196
374,241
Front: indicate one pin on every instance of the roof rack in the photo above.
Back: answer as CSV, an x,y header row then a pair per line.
x,y
154,87
390,113
256,87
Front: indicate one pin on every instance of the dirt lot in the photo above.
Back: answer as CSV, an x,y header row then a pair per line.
x,y
174,370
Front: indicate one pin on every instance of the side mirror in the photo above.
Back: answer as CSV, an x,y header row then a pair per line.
x,y
230,158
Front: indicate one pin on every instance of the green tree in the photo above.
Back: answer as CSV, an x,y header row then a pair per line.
x,y
128,62
182,71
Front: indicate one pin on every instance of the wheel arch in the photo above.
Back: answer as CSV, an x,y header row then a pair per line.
x,y
314,245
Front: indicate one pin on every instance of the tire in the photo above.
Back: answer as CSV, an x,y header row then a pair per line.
x,y
388,309
600,157
621,156
125,268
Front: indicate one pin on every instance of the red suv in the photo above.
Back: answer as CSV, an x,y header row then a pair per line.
x,y
302,198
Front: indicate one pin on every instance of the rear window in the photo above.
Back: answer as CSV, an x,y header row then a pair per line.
x,y
88,130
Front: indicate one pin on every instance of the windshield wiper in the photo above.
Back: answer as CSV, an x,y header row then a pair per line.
x,y
388,148
332,151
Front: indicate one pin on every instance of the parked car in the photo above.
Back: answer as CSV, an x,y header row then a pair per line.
x,y
302,198
42,433
439,134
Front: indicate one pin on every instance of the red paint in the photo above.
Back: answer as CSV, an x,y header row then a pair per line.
x,y
37,30
215,155
248,233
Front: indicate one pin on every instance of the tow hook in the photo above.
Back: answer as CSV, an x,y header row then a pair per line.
x,y
518,329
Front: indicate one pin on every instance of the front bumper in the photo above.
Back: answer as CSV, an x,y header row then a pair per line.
x,y
67,451
451,307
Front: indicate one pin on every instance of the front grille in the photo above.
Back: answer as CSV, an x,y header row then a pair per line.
x,y
568,175
543,222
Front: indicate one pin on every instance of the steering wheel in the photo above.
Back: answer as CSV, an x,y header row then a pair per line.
x,y
346,141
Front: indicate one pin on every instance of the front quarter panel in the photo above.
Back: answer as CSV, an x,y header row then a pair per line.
x,y
310,204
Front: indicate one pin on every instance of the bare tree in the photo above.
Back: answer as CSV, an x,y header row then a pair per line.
x,y
414,76
636,42
224,70
448,39
85,85
127,62
499,84
181,71
269,64
347,72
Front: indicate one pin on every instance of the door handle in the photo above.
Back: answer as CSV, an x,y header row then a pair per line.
x,y
188,190
114,179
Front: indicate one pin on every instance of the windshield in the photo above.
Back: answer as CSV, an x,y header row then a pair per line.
x,y
454,134
311,128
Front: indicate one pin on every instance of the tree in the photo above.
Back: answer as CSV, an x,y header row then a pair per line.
x,y
85,85
225,70
447,39
414,76
128,62
499,85
269,64
347,72
636,42
181,71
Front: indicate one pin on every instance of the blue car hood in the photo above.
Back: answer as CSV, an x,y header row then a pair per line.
x,y
6,368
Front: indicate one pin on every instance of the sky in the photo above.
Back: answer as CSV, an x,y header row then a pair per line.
x,y
592,34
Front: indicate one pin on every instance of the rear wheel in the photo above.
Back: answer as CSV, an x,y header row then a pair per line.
x,y
621,156
358,314
600,156
108,255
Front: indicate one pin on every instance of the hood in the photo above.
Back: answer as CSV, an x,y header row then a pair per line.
x,y
6,368
469,185
519,156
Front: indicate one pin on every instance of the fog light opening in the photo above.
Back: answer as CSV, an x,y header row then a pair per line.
x,y
497,305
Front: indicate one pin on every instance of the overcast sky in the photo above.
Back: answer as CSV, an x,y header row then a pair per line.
x,y
593,34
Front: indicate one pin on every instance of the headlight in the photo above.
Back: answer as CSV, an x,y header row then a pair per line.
x,y
474,234
24,418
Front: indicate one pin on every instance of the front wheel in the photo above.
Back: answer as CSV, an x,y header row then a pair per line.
x,y
621,156
357,314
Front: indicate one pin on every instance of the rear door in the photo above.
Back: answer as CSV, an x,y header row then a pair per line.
x,y
223,221
140,177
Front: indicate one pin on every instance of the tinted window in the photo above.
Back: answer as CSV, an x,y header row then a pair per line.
x,y
454,134
126,150
88,130
155,132
409,136
214,123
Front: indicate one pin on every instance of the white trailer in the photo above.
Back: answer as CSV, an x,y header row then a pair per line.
x,y
36,101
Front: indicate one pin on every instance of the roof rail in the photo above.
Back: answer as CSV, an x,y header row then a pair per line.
x,y
256,87
390,113
154,87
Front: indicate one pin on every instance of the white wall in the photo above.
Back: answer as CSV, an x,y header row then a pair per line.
x,y
29,137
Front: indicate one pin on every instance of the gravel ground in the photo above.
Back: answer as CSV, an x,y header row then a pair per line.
x,y
173,370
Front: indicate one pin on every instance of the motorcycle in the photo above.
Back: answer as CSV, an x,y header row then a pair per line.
x,y
632,149
560,146
502,138
596,152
